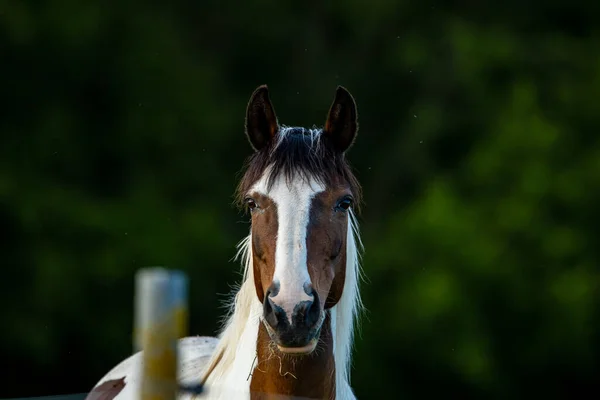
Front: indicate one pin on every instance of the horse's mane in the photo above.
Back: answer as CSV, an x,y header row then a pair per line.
x,y
296,152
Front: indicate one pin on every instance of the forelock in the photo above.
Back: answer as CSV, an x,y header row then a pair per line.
x,y
298,153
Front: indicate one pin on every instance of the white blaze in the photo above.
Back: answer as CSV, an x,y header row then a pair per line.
x,y
293,202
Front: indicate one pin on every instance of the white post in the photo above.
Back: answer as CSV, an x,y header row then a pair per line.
x,y
160,319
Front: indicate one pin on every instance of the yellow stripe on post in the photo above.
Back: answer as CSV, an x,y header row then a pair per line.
x,y
160,297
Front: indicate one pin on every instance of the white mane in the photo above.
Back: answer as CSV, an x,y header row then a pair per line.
x,y
233,369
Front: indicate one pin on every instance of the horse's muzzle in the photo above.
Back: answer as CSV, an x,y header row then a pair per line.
x,y
298,333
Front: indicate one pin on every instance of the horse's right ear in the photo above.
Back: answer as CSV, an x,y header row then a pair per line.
x,y
261,121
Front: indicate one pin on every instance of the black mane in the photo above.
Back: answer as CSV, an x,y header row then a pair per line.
x,y
299,152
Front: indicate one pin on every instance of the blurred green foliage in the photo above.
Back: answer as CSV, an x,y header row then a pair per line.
x,y
122,141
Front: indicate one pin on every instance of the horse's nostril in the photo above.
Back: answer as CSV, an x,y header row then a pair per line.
x,y
314,310
307,313
271,312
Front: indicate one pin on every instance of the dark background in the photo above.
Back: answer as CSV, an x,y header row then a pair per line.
x,y
122,139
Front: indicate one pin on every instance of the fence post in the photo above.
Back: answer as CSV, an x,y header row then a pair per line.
x,y
160,319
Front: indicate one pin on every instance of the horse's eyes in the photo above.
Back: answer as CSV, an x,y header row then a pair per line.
x,y
251,204
344,204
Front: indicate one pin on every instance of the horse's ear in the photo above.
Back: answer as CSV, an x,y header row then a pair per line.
x,y
342,125
261,121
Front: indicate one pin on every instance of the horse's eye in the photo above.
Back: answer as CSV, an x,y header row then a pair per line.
x,y
344,204
251,204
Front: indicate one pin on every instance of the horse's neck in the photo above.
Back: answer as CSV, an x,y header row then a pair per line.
x,y
310,376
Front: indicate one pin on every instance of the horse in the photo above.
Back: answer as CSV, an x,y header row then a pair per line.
x,y
289,329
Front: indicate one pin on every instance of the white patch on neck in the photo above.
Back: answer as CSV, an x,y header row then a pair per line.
x,y
293,203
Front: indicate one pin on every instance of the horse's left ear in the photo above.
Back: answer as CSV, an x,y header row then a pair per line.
x,y
342,125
